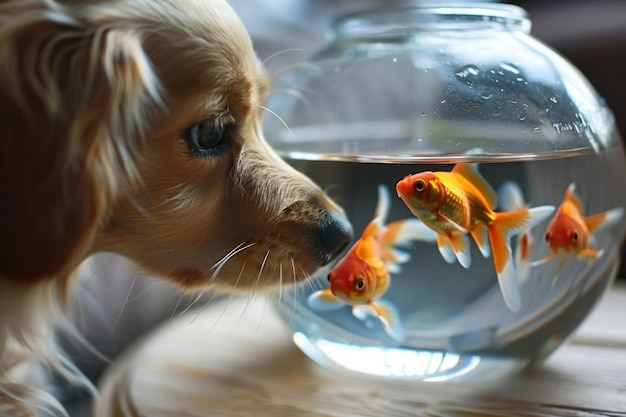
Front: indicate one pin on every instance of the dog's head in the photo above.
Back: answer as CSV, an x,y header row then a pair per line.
x,y
133,127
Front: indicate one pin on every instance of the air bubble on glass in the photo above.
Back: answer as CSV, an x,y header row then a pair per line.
x,y
511,68
467,70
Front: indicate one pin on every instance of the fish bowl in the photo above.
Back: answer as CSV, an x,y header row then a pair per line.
x,y
478,168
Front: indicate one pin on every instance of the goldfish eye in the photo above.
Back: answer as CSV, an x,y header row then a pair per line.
x,y
420,185
359,285
547,237
328,278
574,237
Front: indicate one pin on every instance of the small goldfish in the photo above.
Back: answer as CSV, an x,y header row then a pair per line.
x,y
363,276
460,203
570,234
511,198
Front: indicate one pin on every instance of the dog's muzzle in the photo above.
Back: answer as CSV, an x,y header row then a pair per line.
x,y
332,238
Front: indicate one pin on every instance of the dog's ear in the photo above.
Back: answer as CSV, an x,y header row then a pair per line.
x,y
73,100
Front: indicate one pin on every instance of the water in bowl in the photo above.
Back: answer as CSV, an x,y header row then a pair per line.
x,y
456,324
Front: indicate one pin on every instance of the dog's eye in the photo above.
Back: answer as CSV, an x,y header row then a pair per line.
x,y
206,138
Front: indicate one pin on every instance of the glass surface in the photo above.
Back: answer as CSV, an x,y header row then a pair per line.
x,y
402,91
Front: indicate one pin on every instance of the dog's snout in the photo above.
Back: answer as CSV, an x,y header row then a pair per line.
x,y
333,237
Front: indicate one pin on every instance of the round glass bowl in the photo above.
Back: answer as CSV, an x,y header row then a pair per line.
x,y
399,92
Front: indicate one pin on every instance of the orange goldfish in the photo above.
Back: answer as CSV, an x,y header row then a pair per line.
x,y
363,276
460,203
511,199
570,234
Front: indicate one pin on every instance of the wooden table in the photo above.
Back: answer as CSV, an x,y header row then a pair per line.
x,y
238,359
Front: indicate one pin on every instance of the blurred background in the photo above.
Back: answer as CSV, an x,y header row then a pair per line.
x,y
118,304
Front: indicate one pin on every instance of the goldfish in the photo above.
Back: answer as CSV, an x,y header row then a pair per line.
x,y
460,203
363,276
570,234
511,198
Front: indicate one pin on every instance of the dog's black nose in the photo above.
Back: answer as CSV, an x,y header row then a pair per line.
x,y
333,237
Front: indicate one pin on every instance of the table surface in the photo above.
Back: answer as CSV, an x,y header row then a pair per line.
x,y
237,359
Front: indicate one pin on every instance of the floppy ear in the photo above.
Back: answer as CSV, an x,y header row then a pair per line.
x,y
73,98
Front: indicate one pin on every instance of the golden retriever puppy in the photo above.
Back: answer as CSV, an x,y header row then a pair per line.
x,y
132,126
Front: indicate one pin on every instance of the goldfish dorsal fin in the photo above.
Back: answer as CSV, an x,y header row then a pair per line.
x,y
470,173
570,195
367,248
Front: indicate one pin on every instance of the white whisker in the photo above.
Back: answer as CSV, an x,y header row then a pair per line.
x,y
280,282
306,65
222,262
251,296
307,279
281,121
194,301
278,53
130,290
295,290
180,299
228,302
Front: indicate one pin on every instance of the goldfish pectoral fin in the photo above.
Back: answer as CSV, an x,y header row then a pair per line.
x,y
510,288
324,300
396,256
604,220
543,260
461,247
589,254
386,313
445,249
481,237
510,197
557,274
453,224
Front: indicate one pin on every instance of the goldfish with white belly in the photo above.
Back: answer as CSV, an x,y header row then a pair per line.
x,y
460,203
363,276
570,233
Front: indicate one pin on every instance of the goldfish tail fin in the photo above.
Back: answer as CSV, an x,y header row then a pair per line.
x,y
536,215
402,233
386,313
455,247
523,253
604,220
324,300
510,287
503,227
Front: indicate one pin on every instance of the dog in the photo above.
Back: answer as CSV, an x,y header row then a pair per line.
x,y
133,127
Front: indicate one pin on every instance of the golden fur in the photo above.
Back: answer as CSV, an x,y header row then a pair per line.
x,y
133,126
